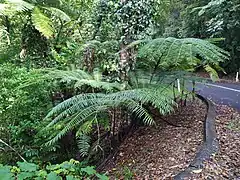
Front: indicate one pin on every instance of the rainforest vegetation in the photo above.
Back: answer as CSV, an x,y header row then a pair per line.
x,y
76,76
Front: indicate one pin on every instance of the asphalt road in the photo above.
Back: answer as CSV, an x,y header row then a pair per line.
x,y
221,93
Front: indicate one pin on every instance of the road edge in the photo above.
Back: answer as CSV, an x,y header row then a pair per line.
x,y
210,144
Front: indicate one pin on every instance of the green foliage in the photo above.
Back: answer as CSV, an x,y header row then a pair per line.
x,y
169,54
81,79
128,174
21,110
92,36
129,20
69,170
15,6
234,125
225,24
84,144
209,19
42,23
33,23
75,111
105,54
163,54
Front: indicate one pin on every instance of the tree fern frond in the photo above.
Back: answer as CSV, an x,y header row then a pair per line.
x,y
82,78
99,85
83,142
213,73
71,75
42,23
140,112
3,8
20,5
160,98
166,54
4,36
78,78
80,117
77,120
85,128
70,102
58,13
76,111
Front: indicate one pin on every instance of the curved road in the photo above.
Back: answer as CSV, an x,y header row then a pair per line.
x,y
221,93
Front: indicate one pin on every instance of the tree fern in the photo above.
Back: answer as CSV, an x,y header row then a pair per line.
x,y
78,111
164,55
81,78
75,111
182,54
40,20
78,78
169,54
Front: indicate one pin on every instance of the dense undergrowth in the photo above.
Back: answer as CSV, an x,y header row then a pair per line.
x,y
77,77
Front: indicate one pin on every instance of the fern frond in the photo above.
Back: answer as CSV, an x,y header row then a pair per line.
x,y
58,13
3,8
71,75
20,5
81,78
4,36
213,73
77,120
182,54
83,142
140,112
72,105
12,7
76,111
42,23
78,78
99,85
85,128
214,4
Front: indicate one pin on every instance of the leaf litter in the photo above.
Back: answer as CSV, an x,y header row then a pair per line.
x,y
161,151
226,163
